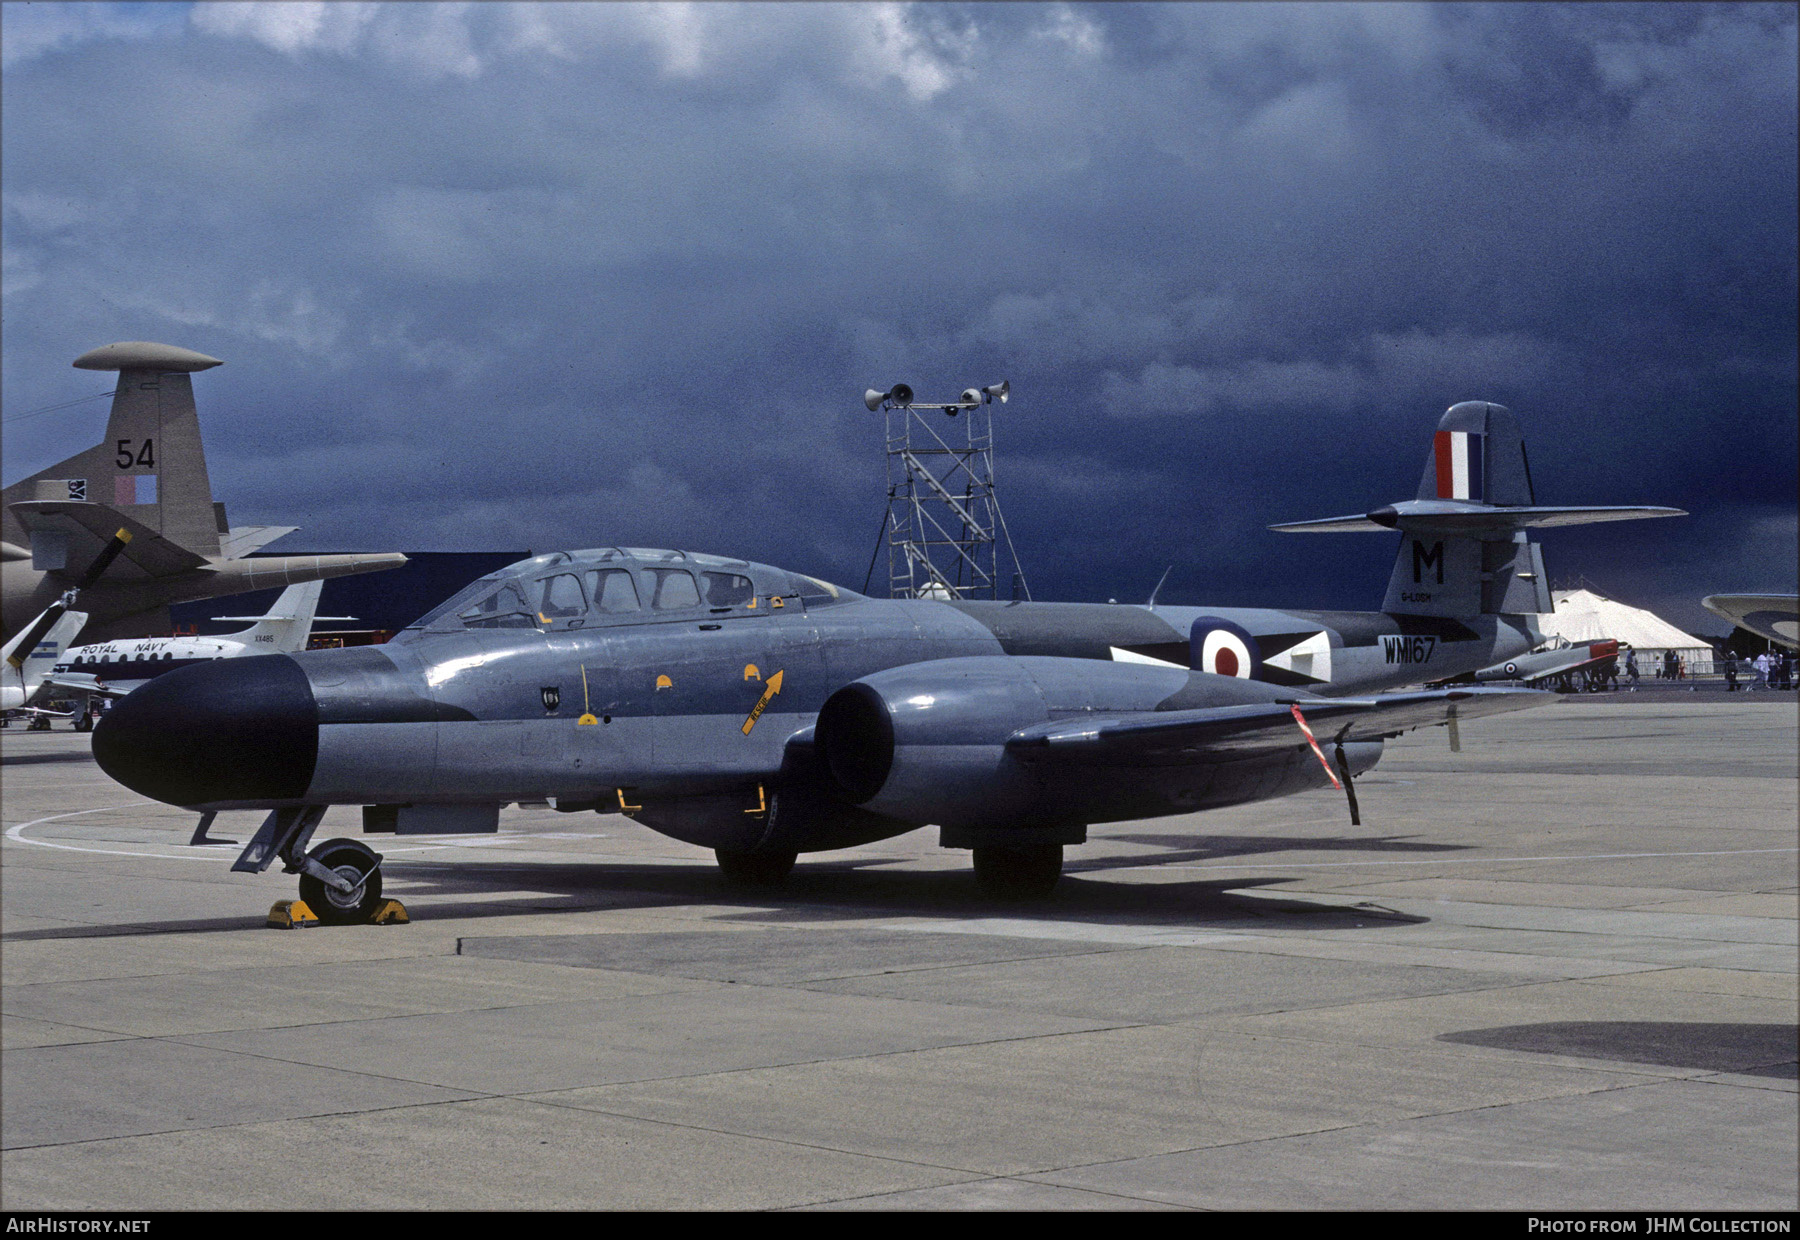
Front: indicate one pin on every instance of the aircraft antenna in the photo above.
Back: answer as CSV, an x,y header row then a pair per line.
x,y
946,536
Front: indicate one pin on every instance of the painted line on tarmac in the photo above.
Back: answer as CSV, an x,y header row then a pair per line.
x,y
1073,931
18,834
1340,865
201,851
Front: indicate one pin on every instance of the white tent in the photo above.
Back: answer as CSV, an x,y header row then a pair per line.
x,y
1583,616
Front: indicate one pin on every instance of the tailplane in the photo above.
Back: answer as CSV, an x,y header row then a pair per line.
x,y
1465,550
285,628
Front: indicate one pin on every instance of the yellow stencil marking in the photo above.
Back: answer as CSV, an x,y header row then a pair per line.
x,y
750,672
762,703
663,682
587,719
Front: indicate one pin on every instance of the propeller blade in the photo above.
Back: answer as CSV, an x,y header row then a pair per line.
x,y
54,612
35,634
104,560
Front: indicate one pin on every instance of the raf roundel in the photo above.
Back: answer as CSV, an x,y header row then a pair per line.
x,y
1224,649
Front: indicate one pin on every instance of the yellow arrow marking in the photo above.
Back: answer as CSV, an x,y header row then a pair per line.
x,y
762,703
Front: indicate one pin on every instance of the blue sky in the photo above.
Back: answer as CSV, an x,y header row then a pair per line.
x,y
502,276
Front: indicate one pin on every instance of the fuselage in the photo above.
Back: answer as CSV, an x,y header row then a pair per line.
x,y
145,658
605,678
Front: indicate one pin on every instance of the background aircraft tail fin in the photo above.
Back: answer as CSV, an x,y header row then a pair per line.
x,y
288,624
35,664
151,466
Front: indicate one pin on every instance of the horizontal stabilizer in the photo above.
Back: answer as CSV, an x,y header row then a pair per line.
x,y
240,540
1469,520
81,682
1228,732
81,531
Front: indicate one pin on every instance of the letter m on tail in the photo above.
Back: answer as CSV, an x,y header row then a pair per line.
x,y
1424,561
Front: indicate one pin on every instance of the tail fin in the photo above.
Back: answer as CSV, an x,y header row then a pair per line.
x,y
1478,455
287,625
1465,550
151,466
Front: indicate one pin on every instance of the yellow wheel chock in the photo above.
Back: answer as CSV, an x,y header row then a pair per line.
x,y
292,915
295,915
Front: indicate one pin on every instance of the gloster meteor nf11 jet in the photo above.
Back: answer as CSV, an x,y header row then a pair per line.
x,y
763,714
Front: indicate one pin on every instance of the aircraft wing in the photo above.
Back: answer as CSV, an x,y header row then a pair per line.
x,y
1772,616
1574,663
1227,732
81,682
85,529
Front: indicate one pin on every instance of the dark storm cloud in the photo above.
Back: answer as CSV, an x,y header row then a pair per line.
x,y
499,276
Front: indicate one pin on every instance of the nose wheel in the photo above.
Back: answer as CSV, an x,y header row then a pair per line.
x,y
351,862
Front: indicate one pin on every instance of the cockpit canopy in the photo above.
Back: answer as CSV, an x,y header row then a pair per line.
x,y
623,585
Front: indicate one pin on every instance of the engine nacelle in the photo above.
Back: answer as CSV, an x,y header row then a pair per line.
x,y
801,813
926,743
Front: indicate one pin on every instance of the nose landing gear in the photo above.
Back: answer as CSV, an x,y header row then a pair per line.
x,y
340,880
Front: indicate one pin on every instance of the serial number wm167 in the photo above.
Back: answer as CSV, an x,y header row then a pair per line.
x,y
1409,649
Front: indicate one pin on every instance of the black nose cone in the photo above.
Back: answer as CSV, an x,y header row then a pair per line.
x,y
236,730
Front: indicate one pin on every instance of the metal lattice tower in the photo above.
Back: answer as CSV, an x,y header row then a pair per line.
x,y
944,526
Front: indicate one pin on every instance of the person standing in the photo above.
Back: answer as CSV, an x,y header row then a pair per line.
x,y
1631,667
1730,666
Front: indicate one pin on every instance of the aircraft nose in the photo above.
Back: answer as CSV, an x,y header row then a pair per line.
x,y
236,730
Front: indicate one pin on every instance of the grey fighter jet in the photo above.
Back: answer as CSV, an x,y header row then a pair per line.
x,y
148,478
763,714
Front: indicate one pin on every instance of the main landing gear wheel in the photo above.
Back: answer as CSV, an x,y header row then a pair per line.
x,y
1026,872
343,908
742,869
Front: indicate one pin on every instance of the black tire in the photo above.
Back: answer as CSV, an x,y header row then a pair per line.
x,y
84,722
337,908
1027,872
760,869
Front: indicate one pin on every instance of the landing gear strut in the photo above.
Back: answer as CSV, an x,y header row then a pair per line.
x,y
1018,872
